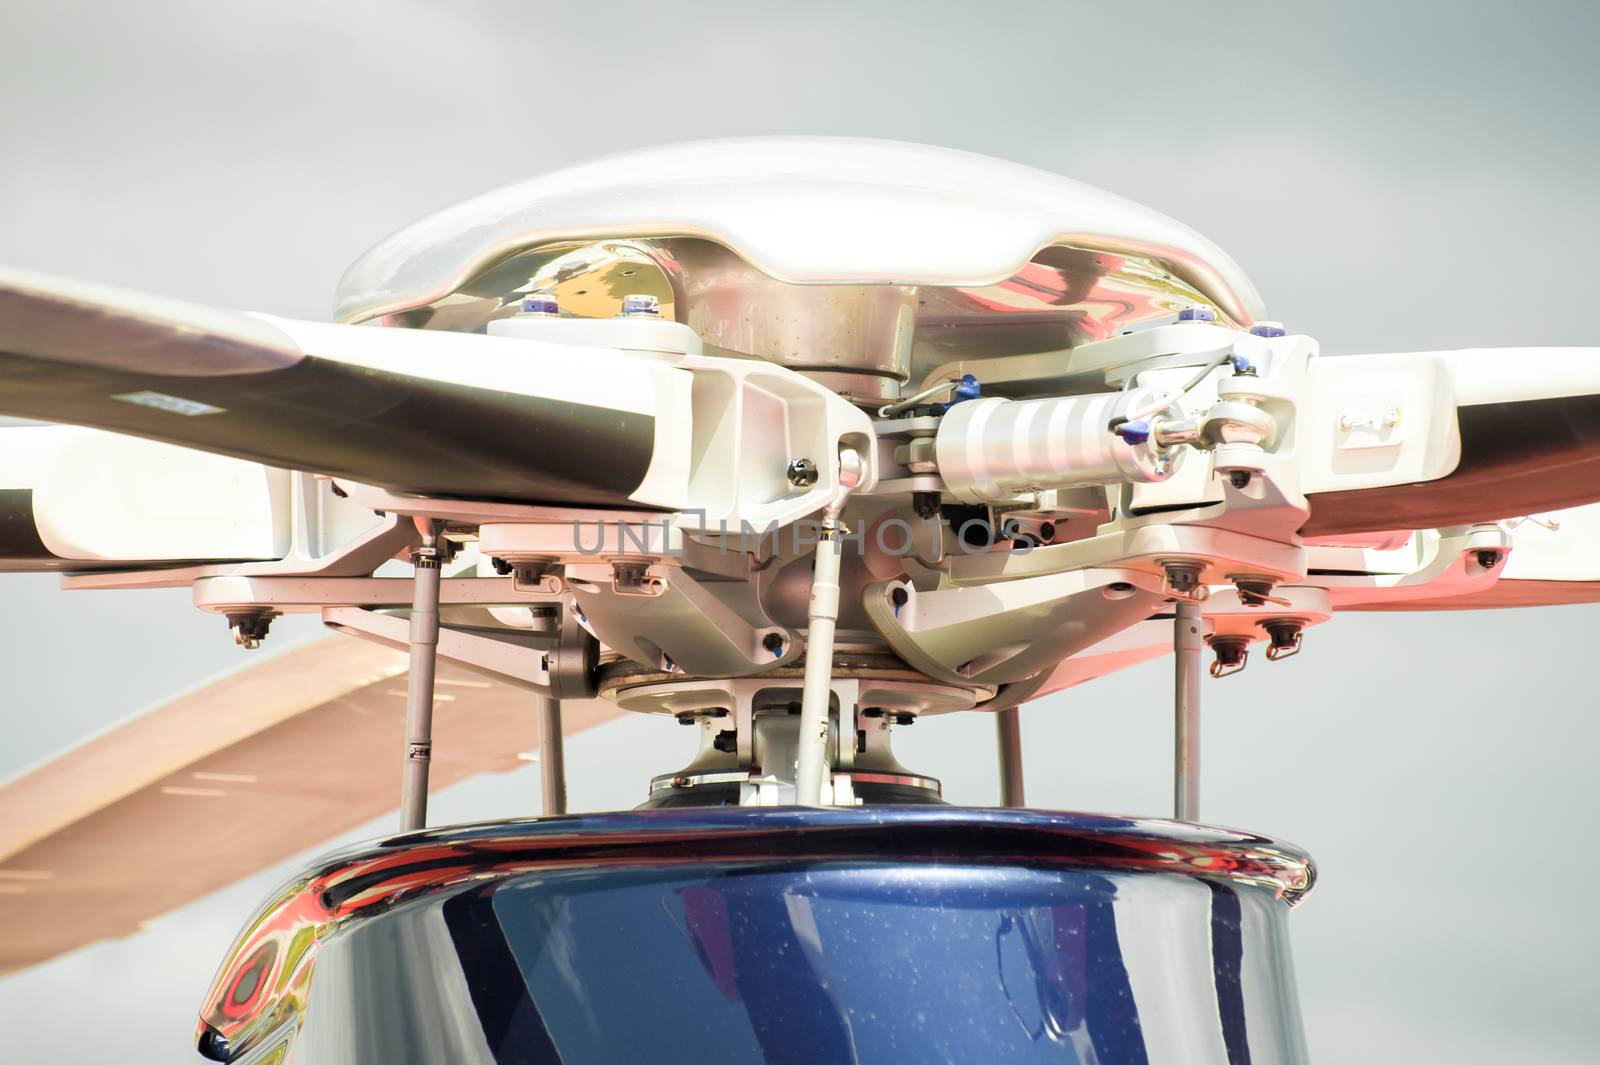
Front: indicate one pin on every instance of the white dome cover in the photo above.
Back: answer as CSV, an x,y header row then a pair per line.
x,y
806,210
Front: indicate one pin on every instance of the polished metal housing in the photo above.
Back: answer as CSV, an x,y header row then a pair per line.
x,y
878,934
868,263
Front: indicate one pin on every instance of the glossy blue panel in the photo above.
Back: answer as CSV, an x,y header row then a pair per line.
x,y
873,963
913,936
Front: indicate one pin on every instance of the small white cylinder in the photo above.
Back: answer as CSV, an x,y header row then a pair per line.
x,y
996,449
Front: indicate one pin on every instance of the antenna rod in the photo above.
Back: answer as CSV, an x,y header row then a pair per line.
x,y
419,689
1008,731
552,757
1187,642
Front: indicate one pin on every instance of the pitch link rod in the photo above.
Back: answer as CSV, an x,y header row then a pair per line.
x,y
1188,640
811,764
552,744
552,757
1008,731
426,559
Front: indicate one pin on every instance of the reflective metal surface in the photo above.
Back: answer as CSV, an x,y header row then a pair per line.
x,y
859,766
873,338
872,260
806,210
778,935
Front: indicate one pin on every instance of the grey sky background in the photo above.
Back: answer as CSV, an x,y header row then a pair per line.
x,y
1392,176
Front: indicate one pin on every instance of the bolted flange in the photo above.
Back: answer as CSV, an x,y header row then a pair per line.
x,y
1283,637
1232,653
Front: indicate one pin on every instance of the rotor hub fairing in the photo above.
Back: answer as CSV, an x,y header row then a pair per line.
x,y
864,263
866,340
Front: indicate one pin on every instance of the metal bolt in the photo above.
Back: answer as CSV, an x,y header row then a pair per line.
x,y
539,305
803,473
1200,312
1184,577
249,629
639,305
1232,652
966,388
691,717
1133,433
629,576
1488,559
1257,591
773,642
1253,593
1267,329
1283,636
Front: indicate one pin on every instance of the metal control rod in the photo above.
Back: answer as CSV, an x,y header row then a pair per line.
x,y
1188,640
1008,733
552,757
822,616
817,687
419,688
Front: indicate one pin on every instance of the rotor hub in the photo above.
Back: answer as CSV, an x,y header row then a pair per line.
x,y
750,727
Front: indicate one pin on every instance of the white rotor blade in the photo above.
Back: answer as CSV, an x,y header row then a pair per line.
x,y
1554,560
418,412
1527,427
78,499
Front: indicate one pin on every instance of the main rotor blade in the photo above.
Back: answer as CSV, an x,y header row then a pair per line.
x,y
1502,595
227,779
1552,563
1529,428
416,412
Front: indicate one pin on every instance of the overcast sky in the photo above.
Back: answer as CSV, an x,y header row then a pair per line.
x,y
1393,176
